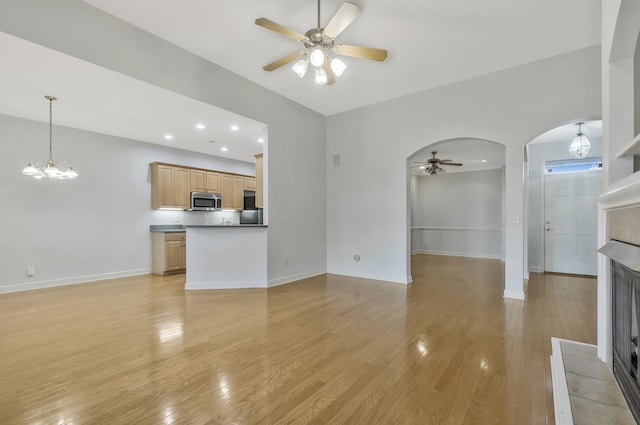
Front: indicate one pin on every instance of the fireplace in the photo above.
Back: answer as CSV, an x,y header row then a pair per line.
x,y
625,320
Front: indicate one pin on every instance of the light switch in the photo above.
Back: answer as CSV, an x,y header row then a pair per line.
x,y
513,219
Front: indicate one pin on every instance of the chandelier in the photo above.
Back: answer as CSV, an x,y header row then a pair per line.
x,y
58,171
580,145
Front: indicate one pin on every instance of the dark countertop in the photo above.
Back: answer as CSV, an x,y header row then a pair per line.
x,y
179,228
167,228
225,225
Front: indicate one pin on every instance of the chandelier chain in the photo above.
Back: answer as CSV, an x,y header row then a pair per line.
x,y
50,129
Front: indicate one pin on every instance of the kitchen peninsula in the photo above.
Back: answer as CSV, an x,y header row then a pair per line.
x,y
226,257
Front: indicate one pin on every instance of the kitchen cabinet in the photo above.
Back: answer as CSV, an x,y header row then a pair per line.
x,y
213,182
259,181
249,183
232,190
205,181
168,253
170,186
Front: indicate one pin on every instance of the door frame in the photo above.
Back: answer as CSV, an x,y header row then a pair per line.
x,y
541,230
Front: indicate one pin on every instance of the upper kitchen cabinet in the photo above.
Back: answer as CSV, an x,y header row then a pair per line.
x,y
249,183
205,181
259,181
170,186
232,190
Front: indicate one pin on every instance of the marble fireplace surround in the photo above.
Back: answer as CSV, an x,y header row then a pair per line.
x,y
619,210
619,219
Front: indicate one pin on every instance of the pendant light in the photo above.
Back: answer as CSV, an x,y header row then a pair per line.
x,y
51,170
580,145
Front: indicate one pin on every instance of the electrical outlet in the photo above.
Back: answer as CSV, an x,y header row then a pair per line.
x,y
31,269
287,262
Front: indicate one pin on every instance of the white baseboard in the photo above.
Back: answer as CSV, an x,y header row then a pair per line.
x,y
29,286
193,286
258,284
458,254
534,269
293,278
372,276
516,295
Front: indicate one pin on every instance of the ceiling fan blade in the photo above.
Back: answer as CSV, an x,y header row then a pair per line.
x,y
361,52
457,164
331,76
273,26
283,61
347,13
445,160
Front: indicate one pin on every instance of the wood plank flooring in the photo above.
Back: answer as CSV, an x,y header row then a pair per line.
x,y
448,349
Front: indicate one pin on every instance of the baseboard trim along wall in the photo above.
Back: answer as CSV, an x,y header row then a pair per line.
x,y
29,286
457,254
371,276
294,277
516,295
193,286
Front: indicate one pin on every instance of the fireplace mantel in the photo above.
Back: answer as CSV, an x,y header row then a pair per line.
x,y
625,192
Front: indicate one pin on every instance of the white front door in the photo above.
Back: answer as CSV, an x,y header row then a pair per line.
x,y
571,202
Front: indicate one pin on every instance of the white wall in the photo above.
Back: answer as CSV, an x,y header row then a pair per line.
x,y
509,107
538,154
620,31
458,214
96,226
295,172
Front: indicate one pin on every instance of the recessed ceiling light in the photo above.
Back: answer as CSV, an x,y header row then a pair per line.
x,y
261,140
200,126
422,167
224,149
483,160
235,127
168,137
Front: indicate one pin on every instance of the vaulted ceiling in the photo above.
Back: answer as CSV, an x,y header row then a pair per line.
x,y
430,44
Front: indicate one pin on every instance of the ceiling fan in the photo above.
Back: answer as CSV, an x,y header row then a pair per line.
x,y
319,42
432,167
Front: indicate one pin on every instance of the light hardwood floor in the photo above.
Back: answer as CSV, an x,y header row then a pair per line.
x,y
448,349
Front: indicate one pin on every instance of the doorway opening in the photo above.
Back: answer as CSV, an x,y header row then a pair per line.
x,y
562,201
457,210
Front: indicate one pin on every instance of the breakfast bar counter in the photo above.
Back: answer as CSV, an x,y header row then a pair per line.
x,y
226,257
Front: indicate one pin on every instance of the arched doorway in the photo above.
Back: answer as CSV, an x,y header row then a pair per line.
x,y
561,201
457,210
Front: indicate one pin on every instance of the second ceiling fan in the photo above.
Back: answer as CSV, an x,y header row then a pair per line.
x,y
432,167
319,42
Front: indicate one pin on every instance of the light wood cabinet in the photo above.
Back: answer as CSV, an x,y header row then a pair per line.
x,y
213,182
232,190
259,181
168,253
205,181
238,193
249,183
198,181
170,186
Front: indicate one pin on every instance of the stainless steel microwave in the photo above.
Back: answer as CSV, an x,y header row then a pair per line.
x,y
204,201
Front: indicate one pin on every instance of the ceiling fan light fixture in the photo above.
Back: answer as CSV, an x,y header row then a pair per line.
x,y
321,76
300,67
337,66
317,57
